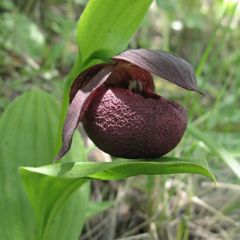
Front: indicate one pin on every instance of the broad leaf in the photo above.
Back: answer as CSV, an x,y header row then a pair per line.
x,y
106,27
120,168
56,180
28,130
164,65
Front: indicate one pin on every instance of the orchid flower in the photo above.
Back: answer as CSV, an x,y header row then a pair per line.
x,y
119,109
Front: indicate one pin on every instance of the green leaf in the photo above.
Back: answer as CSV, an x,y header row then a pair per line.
x,y
217,149
106,27
120,168
58,181
28,130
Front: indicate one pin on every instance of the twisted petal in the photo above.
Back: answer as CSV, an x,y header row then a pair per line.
x,y
78,106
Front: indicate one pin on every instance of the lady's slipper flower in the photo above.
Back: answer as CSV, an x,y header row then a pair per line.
x,y
119,109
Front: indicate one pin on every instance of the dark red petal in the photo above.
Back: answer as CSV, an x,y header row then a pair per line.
x,y
78,106
83,78
163,64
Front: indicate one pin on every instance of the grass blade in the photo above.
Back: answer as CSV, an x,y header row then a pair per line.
x,y
221,152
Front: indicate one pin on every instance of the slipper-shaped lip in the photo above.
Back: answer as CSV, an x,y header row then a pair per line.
x,y
126,124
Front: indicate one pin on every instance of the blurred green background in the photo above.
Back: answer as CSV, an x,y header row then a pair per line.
x,y
37,49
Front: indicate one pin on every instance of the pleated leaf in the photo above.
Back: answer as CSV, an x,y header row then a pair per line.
x,y
28,130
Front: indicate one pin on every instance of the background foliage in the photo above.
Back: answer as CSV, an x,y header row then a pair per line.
x,y
37,49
